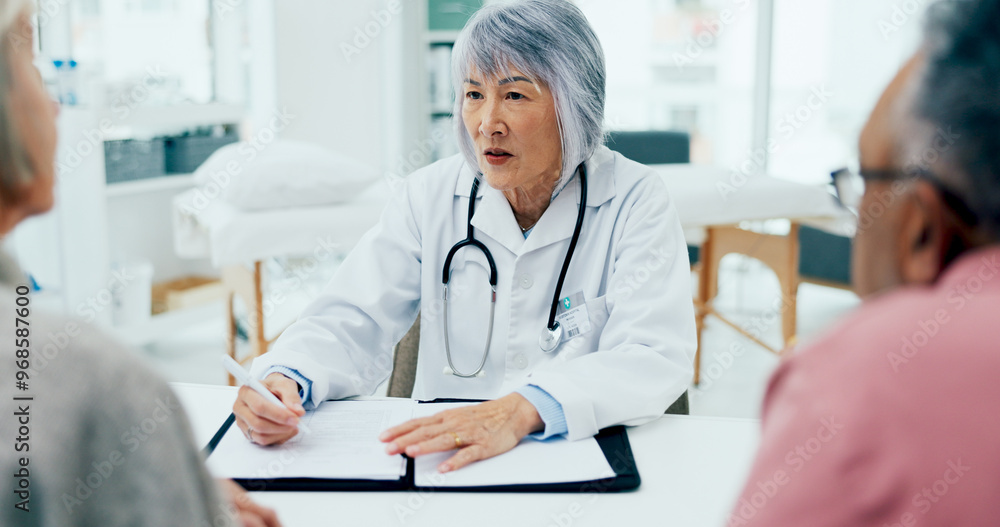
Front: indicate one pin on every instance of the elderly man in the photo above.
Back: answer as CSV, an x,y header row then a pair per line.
x,y
888,419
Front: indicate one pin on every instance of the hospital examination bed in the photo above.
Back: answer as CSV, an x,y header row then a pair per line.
x,y
713,204
238,241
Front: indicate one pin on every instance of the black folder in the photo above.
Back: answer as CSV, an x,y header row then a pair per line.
x,y
613,442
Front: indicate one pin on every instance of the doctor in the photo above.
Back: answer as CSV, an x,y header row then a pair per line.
x,y
587,321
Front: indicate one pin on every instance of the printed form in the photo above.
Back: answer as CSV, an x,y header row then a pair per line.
x,y
342,443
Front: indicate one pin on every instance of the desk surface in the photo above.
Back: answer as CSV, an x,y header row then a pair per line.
x,y
692,469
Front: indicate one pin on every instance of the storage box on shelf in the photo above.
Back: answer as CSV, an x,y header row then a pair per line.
x,y
133,159
184,154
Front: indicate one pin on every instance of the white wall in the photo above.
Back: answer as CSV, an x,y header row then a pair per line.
x,y
341,101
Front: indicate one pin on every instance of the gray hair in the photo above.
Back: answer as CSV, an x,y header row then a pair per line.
x,y
960,93
14,165
552,42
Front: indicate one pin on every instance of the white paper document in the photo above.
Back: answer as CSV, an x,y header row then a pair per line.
x,y
342,443
555,460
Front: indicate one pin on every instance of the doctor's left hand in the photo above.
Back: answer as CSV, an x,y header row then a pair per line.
x,y
478,432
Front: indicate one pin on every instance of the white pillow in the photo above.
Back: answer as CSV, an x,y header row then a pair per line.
x,y
282,174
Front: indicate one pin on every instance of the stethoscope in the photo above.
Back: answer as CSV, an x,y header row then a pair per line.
x,y
552,334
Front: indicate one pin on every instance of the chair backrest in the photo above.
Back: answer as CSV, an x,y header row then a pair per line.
x,y
404,370
652,147
404,363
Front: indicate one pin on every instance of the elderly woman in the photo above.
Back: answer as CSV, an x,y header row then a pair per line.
x,y
83,460
551,274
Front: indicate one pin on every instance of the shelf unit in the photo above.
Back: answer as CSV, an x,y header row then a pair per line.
x,y
130,188
443,21
71,250
128,123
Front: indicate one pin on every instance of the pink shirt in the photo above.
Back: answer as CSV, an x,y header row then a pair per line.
x,y
892,418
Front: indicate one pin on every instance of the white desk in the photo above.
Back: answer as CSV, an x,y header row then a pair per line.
x,y
692,469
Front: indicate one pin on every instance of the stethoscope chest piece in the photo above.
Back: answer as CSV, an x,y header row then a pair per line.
x,y
550,338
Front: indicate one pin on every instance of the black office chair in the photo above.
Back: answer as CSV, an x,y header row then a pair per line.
x,y
653,147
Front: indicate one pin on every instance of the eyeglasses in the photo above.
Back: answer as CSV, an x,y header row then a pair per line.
x,y
850,187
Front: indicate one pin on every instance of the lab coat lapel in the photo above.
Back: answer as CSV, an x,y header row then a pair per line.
x,y
495,219
558,221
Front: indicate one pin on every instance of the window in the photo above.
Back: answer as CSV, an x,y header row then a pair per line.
x,y
831,61
681,65
163,45
691,65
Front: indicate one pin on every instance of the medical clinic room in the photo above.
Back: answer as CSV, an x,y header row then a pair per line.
x,y
553,263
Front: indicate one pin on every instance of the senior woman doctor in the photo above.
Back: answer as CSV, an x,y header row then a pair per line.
x,y
530,82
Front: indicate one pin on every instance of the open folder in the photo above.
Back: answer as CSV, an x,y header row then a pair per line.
x,y
341,451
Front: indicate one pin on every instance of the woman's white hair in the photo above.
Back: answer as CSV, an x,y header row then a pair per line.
x,y
550,41
14,165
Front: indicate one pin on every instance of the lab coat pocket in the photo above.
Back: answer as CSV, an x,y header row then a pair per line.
x,y
598,311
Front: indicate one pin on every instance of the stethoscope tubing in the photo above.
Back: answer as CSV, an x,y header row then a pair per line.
x,y
470,240
572,247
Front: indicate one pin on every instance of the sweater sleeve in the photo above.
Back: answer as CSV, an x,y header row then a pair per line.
x,y
137,462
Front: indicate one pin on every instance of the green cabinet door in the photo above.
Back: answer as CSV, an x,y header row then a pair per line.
x,y
450,15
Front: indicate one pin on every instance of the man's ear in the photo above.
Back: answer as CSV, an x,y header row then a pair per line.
x,y
925,236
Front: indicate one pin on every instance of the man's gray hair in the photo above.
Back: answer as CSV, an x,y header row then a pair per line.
x,y
550,41
960,93
14,166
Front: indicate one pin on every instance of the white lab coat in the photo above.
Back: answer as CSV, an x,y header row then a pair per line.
x,y
631,265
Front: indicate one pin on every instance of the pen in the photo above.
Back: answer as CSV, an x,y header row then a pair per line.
x,y
243,377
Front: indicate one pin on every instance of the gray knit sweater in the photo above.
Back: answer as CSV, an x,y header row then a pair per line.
x,y
105,439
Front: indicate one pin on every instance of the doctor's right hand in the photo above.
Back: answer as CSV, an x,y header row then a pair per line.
x,y
263,422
